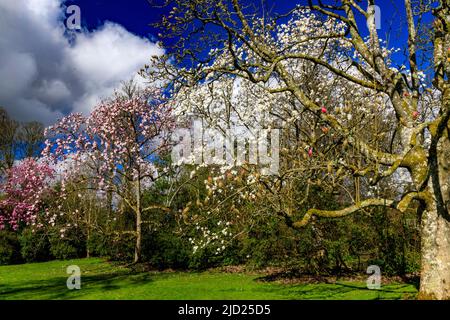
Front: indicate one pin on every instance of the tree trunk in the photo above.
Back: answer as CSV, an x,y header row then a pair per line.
x,y
88,229
435,271
88,242
138,247
109,212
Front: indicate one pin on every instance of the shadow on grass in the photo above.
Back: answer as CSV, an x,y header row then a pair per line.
x,y
339,291
56,289
104,283
401,289
318,287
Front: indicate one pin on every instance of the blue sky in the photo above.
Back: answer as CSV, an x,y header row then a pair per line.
x,y
49,77
136,15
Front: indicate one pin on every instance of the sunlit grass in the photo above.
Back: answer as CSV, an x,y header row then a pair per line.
x,y
103,280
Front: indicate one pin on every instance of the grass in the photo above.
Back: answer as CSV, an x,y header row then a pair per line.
x,y
103,280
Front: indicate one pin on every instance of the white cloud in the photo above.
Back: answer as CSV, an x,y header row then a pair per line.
x,y
44,76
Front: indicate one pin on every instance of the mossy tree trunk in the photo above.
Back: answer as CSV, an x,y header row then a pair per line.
x,y
435,271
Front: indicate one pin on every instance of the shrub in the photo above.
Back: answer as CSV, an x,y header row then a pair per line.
x,y
114,246
164,249
35,246
63,250
9,248
270,241
71,246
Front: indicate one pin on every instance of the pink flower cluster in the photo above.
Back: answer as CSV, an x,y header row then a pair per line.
x,y
121,135
23,190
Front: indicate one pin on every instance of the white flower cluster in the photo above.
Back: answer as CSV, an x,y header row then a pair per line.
x,y
216,240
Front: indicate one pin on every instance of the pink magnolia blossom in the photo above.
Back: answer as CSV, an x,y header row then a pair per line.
x,y
121,137
23,190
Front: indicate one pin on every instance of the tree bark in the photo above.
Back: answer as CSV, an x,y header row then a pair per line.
x,y
435,271
88,230
109,212
138,247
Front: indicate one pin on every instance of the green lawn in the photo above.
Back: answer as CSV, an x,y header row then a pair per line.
x,y
102,280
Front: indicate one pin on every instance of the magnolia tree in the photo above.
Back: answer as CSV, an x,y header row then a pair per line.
x,y
117,149
275,52
309,151
24,190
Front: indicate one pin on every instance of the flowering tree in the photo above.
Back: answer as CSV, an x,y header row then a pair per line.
x,y
117,149
273,51
24,189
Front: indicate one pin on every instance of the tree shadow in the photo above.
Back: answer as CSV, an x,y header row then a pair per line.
x,y
56,288
318,288
414,280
